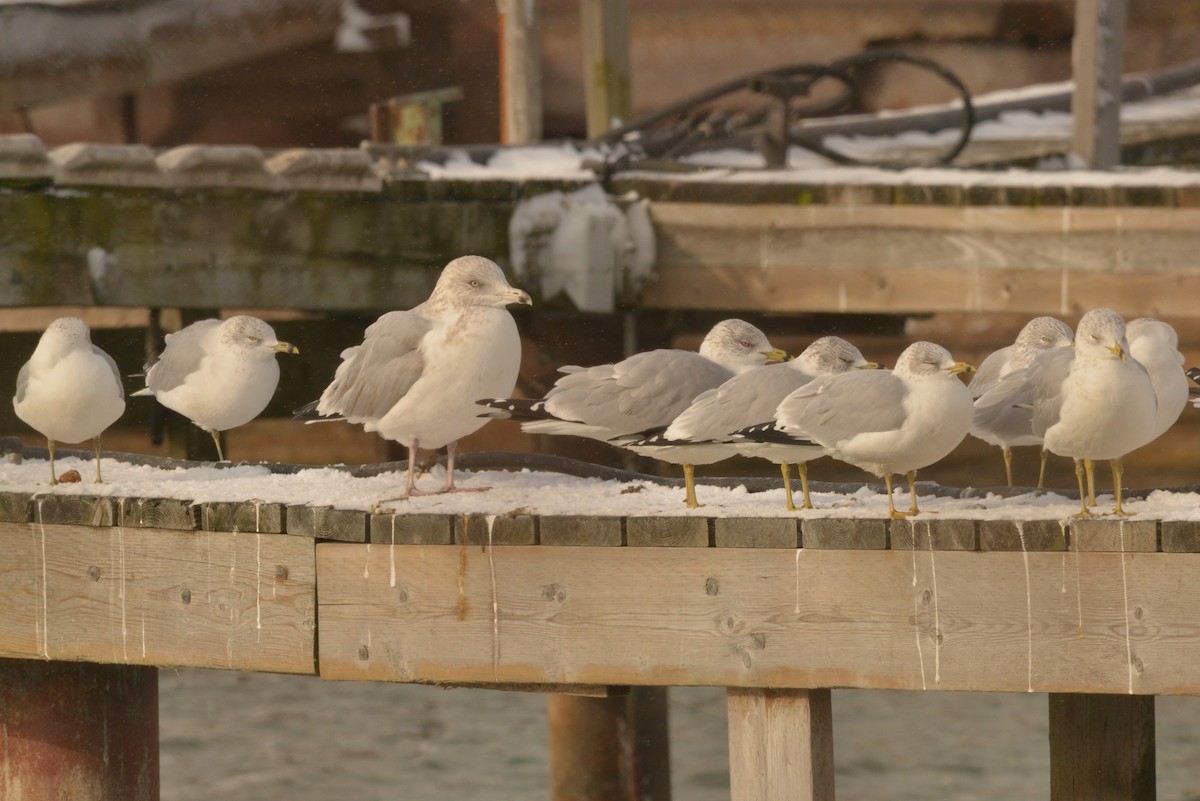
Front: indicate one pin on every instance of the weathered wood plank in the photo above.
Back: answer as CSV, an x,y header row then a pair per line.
x,y
936,533
581,530
327,523
1101,747
1052,622
1022,535
157,597
1180,536
756,532
1114,535
16,507
83,510
412,529
252,516
506,529
685,532
780,744
843,533
158,513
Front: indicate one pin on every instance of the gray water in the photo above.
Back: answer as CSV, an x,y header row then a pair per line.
x,y
262,737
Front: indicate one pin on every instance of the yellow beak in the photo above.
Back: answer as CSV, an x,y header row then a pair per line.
x,y
285,347
776,356
961,367
869,366
1117,351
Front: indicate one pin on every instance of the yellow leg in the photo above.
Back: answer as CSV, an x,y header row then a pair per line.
x,y
1042,471
1008,464
802,468
53,475
1083,509
892,513
96,447
216,435
912,491
689,482
1118,474
785,469
1090,468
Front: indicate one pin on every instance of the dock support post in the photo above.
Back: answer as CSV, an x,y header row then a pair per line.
x,y
780,744
1101,747
78,730
610,749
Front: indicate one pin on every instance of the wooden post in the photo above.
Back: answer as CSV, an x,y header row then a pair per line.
x,y
610,749
520,73
780,744
78,730
1096,56
606,71
1101,747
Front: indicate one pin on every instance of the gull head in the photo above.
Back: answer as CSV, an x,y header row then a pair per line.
x,y
476,281
1101,335
64,335
738,346
1150,329
925,359
829,355
250,336
1043,333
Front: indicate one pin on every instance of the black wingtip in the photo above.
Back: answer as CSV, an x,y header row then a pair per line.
x,y
308,414
769,432
1193,373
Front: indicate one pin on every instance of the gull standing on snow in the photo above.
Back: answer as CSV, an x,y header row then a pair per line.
x,y
416,375
1094,402
69,390
704,432
1003,408
219,375
624,402
883,422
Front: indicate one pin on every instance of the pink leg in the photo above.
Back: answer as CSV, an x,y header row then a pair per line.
x,y
451,449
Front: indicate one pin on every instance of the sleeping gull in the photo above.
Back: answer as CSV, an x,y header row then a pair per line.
x,y
69,390
218,374
1003,408
883,422
1093,402
416,375
703,433
624,402
1155,346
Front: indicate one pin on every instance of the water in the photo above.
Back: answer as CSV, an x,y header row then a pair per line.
x,y
262,737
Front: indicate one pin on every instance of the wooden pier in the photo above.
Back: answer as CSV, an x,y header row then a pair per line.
x,y
1099,613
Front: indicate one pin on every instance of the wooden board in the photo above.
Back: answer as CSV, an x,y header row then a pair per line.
x,y
157,597
780,744
948,620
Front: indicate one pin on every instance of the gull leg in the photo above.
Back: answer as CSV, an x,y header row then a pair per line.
x,y
892,513
96,447
1042,471
1083,509
1090,468
216,435
912,490
451,449
689,483
802,468
1007,451
1118,473
50,448
785,468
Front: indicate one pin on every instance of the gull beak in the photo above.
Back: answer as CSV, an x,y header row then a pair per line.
x,y
1117,350
517,296
960,367
285,347
776,356
869,366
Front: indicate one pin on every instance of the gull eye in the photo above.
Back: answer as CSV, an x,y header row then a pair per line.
x,y
475,284
253,338
745,343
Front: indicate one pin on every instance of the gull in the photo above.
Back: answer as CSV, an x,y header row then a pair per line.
x,y
415,376
704,432
218,374
1094,402
69,390
623,402
880,421
1003,409
1155,346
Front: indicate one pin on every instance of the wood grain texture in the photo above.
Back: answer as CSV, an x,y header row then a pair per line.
x,y
158,513
936,533
251,516
83,510
1101,748
682,532
16,507
157,597
412,529
844,533
1180,536
1114,535
327,523
1051,622
1022,535
756,532
780,744
581,530
506,529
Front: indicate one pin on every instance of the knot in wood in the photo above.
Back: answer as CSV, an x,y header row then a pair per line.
x,y
94,573
281,572
364,653
186,595
712,586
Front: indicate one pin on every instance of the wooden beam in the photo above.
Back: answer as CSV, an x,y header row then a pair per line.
x,y
520,73
780,744
606,70
1096,60
1101,748
157,597
780,618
